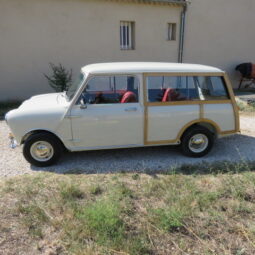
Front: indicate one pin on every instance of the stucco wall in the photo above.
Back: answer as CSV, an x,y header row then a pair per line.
x,y
74,33
220,33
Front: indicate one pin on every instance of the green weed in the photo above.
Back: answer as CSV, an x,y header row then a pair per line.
x,y
168,219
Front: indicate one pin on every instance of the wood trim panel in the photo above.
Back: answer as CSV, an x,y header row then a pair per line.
x,y
234,105
201,111
228,132
198,102
145,128
189,124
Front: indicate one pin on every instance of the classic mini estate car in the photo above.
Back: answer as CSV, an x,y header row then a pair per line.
x,y
121,105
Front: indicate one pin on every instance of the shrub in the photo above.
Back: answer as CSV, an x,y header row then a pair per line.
x,y
61,79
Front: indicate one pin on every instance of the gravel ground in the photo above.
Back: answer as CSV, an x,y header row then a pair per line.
x,y
233,148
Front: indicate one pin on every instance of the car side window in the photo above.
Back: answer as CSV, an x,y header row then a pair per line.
x,y
171,88
212,87
111,90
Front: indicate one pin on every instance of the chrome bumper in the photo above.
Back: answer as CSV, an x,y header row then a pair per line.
x,y
13,142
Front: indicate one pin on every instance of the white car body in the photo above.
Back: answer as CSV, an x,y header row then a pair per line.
x,y
105,126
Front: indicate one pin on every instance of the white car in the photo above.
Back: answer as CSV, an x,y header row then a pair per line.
x,y
123,105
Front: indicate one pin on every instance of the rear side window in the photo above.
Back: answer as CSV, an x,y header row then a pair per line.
x,y
185,88
171,88
212,87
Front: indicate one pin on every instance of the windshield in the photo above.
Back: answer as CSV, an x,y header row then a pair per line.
x,y
75,86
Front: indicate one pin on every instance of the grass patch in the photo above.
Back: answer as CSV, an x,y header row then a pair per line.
x,y
103,222
7,106
96,190
133,214
70,192
35,218
167,218
219,167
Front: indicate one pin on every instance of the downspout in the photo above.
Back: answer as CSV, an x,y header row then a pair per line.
x,y
182,33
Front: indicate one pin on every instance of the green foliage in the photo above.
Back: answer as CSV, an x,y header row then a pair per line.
x,y
70,192
121,191
246,106
241,106
35,218
103,221
168,219
206,199
135,177
61,79
96,190
252,104
123,214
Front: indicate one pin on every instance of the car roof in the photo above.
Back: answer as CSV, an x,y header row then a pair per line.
x,y
147,67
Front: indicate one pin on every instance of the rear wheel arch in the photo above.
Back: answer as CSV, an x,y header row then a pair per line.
x,y
209,125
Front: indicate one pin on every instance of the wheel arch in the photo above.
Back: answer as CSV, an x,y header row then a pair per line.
x,y
209,124
43,131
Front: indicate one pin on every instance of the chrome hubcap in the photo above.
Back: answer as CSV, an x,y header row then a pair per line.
x,y
198,143
42,151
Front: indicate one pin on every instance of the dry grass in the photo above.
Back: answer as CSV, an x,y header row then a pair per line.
x,y
245,107
173,214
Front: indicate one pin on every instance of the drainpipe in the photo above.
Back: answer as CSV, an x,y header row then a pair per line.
x,y
182,31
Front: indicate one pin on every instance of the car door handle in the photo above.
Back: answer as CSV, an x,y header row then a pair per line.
x,y
131,109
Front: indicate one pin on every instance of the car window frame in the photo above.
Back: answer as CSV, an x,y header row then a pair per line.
x,y
221,75
91,76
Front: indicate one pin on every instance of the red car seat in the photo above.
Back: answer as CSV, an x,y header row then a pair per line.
x,y
169,95
129,97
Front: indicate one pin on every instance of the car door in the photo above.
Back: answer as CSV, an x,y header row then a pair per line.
x,y
113,114
171,102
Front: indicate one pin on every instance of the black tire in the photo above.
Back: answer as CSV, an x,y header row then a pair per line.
x,y
55,151
189,134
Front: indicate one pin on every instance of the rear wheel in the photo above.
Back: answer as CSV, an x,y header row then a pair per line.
x,y
42,149
197,142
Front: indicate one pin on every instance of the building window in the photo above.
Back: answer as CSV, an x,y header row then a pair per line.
x,y
127,35
171,32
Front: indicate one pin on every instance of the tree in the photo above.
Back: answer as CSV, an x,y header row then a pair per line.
x,y
61,79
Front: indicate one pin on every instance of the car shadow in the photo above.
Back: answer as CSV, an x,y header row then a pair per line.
x,y
154,160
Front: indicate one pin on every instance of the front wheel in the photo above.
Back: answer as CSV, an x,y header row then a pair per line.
x,y
197,142
42,149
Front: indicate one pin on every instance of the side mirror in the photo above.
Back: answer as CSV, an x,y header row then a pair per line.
x,y
83,105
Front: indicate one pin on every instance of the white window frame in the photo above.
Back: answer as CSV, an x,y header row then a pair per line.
x,y
127,35
171,31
